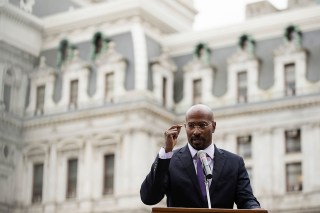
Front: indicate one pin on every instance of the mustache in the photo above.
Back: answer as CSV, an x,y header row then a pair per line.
x,y
197,138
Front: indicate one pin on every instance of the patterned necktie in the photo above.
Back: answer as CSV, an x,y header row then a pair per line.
x,y
200,175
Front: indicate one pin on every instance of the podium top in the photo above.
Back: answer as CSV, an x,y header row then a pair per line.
x,y
205,210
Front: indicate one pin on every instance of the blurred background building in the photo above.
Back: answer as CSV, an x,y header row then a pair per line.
x,y
87,88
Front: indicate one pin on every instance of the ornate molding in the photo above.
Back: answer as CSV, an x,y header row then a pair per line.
x,y
43,70
288,48
241,56
12,56
272,106
75,64
119,109
27,5
19,16
246,50
164,61
110,56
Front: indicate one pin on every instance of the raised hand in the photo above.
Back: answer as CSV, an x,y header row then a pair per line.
x,y
171,136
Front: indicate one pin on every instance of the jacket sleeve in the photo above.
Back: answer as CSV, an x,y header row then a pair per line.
x,y
155,185
244,195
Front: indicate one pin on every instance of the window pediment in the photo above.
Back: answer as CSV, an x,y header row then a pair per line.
x,y
35,152
70,146
164,61
292,41
246,50
75,64
42,70
109,56
241,56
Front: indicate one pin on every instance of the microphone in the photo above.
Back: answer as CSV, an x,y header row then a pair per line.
x,y
205,165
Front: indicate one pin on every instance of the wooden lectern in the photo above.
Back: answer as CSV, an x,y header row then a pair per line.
x,y
203,210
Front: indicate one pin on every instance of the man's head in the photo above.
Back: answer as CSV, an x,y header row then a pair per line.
x,y
199,126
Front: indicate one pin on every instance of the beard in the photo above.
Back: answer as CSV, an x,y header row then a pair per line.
x,y
198,142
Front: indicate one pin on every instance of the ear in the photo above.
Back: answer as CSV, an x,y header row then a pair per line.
x,y
213,126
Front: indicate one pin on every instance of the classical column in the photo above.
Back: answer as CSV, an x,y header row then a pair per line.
x,y
140,56
50,177
310,146
86,177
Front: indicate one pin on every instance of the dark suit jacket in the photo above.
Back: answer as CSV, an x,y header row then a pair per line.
x,y
176,178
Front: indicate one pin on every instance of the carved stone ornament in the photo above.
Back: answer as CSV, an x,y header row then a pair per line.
x,y
246,50
292,41
27,5
75,63
165,61
42,70
288,48
110,56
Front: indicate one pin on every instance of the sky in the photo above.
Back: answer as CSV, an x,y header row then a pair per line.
x,y
218,13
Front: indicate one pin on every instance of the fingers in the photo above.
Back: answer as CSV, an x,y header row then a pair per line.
x,y
173,131
171,136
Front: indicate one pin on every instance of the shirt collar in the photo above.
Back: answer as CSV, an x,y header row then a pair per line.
x,y
209,150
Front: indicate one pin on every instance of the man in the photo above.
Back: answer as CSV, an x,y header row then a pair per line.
x,y
174,172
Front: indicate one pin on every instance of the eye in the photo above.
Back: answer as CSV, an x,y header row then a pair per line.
x,y
203,125
191,125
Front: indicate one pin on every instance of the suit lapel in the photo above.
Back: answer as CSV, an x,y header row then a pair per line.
x,y
219,161
187,162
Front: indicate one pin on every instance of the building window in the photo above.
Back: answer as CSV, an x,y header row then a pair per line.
x,y
293,141
244,146
73,94
289,78
108,175
40,99
72,171
294,177
242,87
197,91
37,183
109,87
164,91
7,96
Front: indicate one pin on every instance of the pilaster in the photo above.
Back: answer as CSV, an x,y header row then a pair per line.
x,y
140,56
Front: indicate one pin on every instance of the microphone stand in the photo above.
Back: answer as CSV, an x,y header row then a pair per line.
x,y
207,190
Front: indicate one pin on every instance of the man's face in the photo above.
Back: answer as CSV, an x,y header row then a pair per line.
x,y
199,127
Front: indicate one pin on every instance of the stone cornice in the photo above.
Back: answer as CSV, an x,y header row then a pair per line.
x,y
261,28
19,15
110,28
115,110
158,112
21,29
254,109
296,102
8,119
114,10
14,57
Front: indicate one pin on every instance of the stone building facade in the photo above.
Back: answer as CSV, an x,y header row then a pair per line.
x,y
87,89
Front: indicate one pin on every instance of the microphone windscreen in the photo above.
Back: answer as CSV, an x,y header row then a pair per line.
x,y
200,153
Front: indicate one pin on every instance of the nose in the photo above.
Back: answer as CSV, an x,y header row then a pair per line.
x,y
196,130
